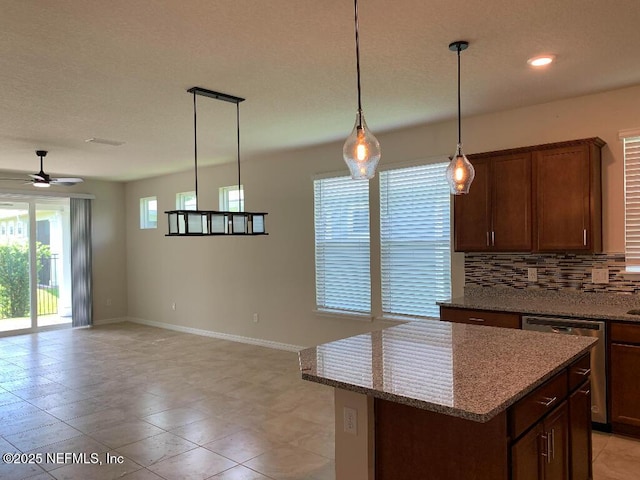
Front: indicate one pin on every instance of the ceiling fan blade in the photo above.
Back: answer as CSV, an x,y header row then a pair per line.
x,y
66,181
15,180
37,176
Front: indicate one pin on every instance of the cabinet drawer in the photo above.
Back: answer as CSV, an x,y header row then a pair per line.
x,y
625,333
480,317
534,406
579,372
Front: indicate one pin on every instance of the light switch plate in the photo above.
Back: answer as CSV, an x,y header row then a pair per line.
x,y
350,420
599,275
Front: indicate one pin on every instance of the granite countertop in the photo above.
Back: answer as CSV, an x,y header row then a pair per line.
x,y
467,371
598,306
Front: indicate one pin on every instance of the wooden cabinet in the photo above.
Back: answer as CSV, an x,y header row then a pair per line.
x,y
480,317
580,432
567,189
542,198
624,378
496,214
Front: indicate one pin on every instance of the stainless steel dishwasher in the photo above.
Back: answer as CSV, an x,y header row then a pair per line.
x,y
585,328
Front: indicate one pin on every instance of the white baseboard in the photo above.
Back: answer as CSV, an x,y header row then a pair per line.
x,y
107,321
223,336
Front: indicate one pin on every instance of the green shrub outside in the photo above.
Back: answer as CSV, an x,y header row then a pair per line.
x,y
14,278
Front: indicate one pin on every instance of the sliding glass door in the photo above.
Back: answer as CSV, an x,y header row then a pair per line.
x,y
35,274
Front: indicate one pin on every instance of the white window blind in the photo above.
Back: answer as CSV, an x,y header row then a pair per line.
x,y
342,244
632,202
415,243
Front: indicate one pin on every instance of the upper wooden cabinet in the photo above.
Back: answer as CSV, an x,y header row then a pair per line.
x,y
543,198
496,214
567,189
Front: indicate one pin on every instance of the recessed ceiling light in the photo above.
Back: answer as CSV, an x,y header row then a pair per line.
x,y
541,60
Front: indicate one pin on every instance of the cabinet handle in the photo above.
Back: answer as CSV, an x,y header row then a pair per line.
x,y
545,446
583,371
476,319
488,242
584,237
586,392
493,239
547,401
552,436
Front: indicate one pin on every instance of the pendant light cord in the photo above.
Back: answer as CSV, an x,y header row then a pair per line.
x,y
459,111
195,145
240,196
355,7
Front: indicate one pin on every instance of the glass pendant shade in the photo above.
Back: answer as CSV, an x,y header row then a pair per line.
x,y
460,173
361,151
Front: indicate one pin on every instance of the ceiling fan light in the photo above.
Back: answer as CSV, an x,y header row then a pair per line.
x,y
41,184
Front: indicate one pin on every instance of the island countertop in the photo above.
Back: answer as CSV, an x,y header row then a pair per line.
x,y
467,371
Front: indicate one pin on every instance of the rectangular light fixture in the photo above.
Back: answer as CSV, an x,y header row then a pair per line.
x,y
198,223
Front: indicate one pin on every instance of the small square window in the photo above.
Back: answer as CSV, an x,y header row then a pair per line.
x,y
232,199
186,201
149,212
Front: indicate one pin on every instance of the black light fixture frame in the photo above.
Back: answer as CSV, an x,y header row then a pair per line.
x,y
198,223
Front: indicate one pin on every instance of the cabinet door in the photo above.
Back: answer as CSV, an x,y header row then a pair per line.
x,y
625,384
526,455
472,212
562,192
580,432
480,317
511,202
556,426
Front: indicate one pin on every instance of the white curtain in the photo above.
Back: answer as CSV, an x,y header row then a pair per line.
x,y
81,285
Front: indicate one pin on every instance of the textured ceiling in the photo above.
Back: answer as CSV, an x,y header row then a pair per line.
x,y
119,70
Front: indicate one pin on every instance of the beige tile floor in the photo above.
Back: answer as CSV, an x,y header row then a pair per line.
x,y
170,406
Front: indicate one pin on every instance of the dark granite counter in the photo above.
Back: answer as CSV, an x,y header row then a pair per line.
x,y
468,371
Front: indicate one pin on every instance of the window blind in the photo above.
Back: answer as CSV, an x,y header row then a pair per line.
x,y
342,244
632,201
415,251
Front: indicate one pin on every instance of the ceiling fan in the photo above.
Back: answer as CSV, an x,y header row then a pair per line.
x,y
43,180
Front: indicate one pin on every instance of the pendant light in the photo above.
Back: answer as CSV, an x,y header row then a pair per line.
x,y
214,222
361,151
460,172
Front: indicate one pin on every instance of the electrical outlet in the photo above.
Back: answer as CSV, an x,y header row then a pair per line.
x,y
173,306
256,318
350,420
599,275
532,274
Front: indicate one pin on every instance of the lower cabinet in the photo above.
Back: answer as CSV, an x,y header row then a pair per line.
x,y
580,433
624,375
480,317
543,453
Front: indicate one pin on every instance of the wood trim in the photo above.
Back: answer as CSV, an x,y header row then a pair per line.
x,y
596,141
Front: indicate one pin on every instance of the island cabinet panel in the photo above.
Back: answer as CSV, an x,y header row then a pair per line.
x,y
625,388
412,443
580,432
543,452
496,214
568,206
480,317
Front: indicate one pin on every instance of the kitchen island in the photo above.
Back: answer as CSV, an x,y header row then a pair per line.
x,y
440,400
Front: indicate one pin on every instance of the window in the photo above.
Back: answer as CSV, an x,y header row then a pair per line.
x,y
415,243
3,229
341,215
149,212
11,229
19,230
231,200
632,202
186,201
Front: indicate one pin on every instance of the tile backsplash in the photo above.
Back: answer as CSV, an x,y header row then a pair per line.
x,y
555,271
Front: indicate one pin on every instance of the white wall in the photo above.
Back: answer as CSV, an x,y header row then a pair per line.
x,y
218,283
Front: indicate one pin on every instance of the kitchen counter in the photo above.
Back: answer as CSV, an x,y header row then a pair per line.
x,y
563,303
466,371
